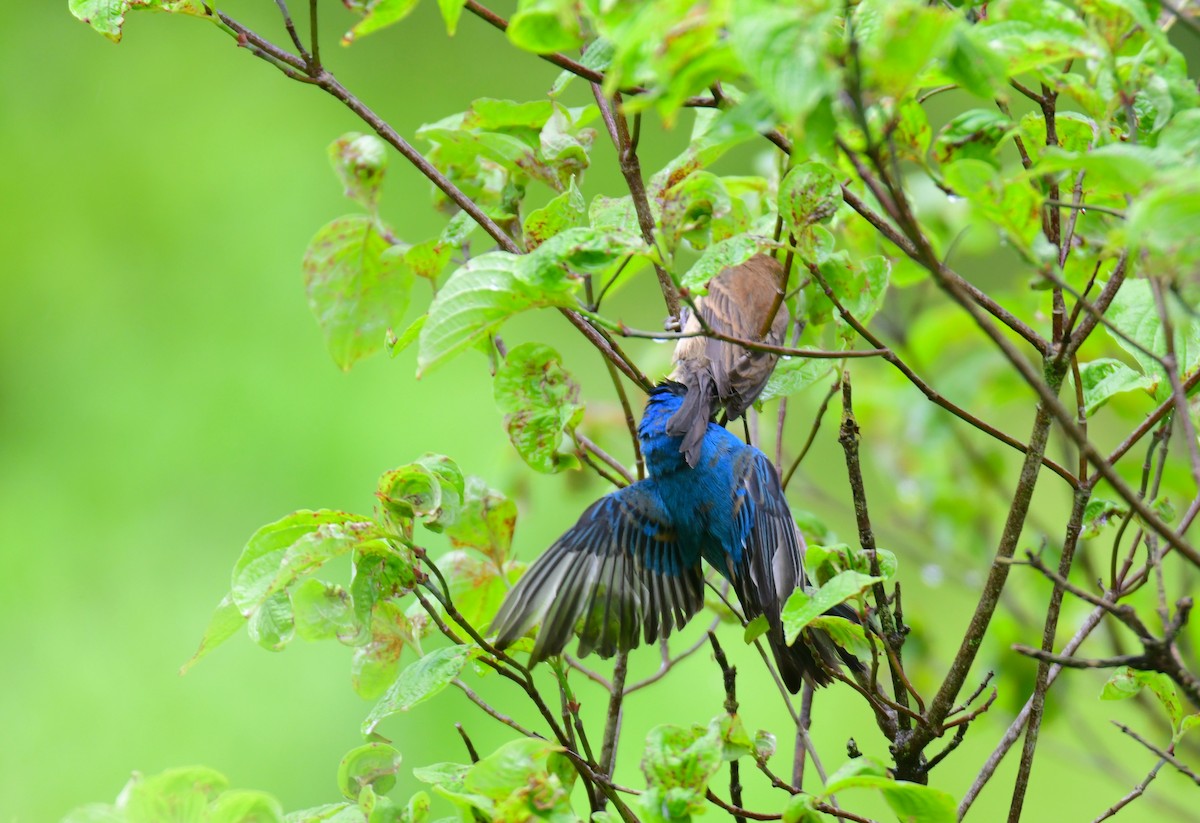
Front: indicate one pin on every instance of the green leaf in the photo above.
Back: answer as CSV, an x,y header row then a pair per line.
x,y
912,801
375,663
374,765
794,374
396,345
898,38
1122,684
226,620
475,301
1100,513
323,611
329,813
668,47
615,214
428,258
359,160
859,286
380,572
486,522
855,772
566,211
497,115
597,56
519,771
544,26
417,810
540,402
1116,168
1029,34
280,552
801,808
1187,724
178,795
355,290
764,745
551,266
803,607
1135,313
787,50
809,194
451,12
973,135
968,63
245,806
1126,682
694,209
379,14
477,586
846,633
418,682
442,774
272,625
678,763
1010,207
108,16
714,132
1101,379
1162,220
416,490
756,628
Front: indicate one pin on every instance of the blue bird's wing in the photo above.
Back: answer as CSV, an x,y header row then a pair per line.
x,y
769,567
618,573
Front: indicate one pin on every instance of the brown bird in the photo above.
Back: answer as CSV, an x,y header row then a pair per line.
x,y
725,375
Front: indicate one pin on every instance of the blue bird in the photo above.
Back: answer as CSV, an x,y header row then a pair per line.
x,y
630,567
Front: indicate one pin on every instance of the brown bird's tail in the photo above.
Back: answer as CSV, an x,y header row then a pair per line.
x,y
691,421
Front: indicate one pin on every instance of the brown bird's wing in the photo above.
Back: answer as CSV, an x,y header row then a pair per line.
x,y
738,304
717,373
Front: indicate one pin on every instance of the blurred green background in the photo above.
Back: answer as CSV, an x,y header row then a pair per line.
x,y
164,391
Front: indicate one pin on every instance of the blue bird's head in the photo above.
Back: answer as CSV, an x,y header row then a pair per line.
x,y
665,400
661,449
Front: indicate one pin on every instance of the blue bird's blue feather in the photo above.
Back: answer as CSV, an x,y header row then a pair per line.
x,y
631,568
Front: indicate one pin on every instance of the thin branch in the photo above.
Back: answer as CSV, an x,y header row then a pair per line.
x,y
729,680
616,706
1013,733
608,459
471,753
933,396
1178,393
631,170
291,29
1146,425
314,38
892,635
557,58
1077,207
1049,631
739,813
1163,755
812,434
490,711
1133,795
1020,327
630,423
669,663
